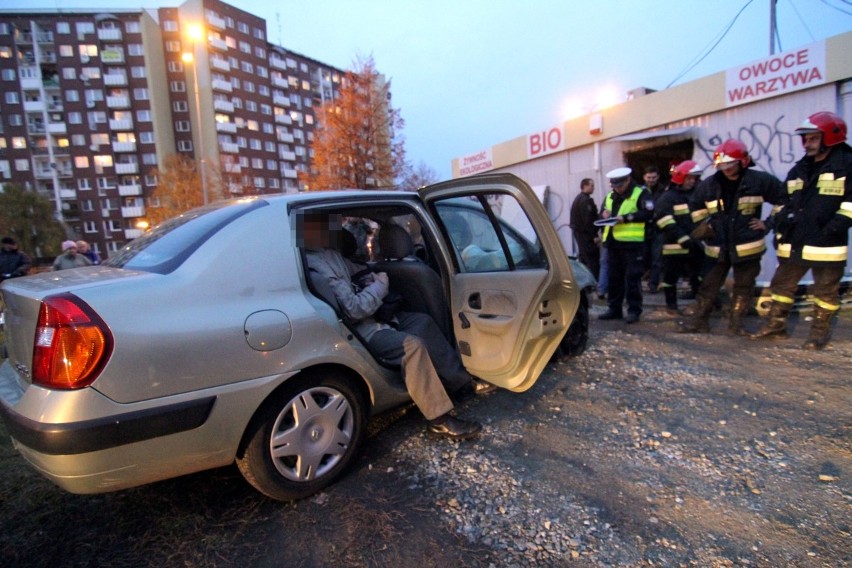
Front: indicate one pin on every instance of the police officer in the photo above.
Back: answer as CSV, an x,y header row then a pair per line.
x,y
681,255
632,207
13,263
726,208
811,231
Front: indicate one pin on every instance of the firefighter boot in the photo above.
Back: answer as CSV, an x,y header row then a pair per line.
x,y
670,292
820,329
699,320
739,309
776,325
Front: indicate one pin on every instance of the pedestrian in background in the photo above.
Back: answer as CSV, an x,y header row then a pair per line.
x,y
681,255
13,263
632,207
653,236
87,251
726,208
69,257
811,231
584,213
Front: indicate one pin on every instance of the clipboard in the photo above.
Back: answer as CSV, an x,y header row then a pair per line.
x,y
606,222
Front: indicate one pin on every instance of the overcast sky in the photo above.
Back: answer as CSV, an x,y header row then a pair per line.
x,y
467,74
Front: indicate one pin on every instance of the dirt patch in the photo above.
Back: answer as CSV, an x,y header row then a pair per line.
x,y
653,448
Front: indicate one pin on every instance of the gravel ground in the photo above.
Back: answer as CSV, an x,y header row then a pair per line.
x,y
651,449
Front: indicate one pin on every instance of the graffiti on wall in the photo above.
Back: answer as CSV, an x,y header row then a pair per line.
x,y
772,149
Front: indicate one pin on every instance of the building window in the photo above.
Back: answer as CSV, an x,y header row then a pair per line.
x,y
16,120
149,159
140,94
258,33
133,27
173,46
242,27
85,28
75,118
146,137
69,73
150,180
176,66
254,144
22,165
177,86
185,145
137,72
72,95
13,97
87,50
135,49
143,115
259,52
90,226
63,28
84,184
66,51
245,47
87,205
9,75
81,162
170,25
247,67
182,126
180,106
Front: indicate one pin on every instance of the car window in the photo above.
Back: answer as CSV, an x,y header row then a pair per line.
x,y
486,241
167,245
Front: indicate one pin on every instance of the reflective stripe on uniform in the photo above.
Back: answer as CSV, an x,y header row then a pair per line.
x,y
826,306
825,254
795,185
748,249
681,209
699,215
711,251
713,206
674,249
784,250
845,209
664,222
783,299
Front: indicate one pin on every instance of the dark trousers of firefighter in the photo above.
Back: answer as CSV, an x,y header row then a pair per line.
x,y
626,266
826,288
745,274
688,266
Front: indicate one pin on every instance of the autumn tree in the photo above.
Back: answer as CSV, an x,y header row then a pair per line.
x,y
357,141
416,176
29,218
179,187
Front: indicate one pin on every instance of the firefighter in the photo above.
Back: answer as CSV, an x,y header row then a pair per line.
x,y
726,208
811,231
631,207
681,255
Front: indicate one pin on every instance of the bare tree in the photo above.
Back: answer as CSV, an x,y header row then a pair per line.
x,y
415,177
358,141
28,217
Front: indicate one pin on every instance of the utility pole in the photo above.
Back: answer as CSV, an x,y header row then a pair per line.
x,y
772,27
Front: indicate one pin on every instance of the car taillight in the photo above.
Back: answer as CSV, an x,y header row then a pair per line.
x,y
72,343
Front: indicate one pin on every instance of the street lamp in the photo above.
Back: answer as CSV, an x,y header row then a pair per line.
x,y
196,33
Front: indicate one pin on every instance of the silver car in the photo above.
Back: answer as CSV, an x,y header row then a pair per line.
x,y
206,342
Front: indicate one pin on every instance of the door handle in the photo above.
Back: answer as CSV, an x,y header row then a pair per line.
x,y
465,323
475,301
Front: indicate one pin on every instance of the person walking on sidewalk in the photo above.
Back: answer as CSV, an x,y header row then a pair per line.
x,y
726,208
681,255
631,207
811,231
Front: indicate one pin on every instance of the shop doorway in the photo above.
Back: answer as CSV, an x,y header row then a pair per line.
x,y
663,156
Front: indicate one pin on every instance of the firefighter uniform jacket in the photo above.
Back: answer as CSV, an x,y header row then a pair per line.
x,y
733,240
812,229
637,208
673,219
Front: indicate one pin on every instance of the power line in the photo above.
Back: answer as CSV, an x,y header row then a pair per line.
x,y
801,19
836,8
724,32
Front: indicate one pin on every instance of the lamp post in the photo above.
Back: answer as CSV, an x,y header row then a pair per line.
x,y
196,32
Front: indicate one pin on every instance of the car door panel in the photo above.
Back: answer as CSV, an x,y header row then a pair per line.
x,y
508,320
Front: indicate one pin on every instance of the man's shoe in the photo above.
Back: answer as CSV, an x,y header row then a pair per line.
x,y
632,318
610,315
454,428
480,387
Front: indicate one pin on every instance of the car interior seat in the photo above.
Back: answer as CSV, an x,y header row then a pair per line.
x,y
420,286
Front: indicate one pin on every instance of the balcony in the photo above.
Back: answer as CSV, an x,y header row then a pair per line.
x,y
126,168
278,63
280,82
229,147
283,119
285,137
222,85
31,83
218,44
34,106
129,189
121,124
109,34
131,234
57,128
115,79
67,194
216,21
124,146
278,100
223,105
129,212
118,101
289,156
291,174
228,127
112,56
220,64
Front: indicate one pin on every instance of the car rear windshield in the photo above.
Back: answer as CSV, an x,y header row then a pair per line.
x,y
167,245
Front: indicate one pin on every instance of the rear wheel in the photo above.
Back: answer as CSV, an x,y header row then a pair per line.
x,y
577,337
303,437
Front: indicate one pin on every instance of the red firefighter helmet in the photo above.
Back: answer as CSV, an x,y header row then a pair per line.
x,y
683,169
833,127
731,151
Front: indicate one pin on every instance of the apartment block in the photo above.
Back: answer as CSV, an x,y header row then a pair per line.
x,y
93,101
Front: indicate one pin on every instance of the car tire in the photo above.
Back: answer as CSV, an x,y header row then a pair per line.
x,y
574,342
304,436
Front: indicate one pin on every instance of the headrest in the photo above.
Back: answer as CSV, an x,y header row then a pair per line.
x,y
395,242
348,244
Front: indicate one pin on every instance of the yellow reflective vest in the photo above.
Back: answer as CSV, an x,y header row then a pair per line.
x,y
629,231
